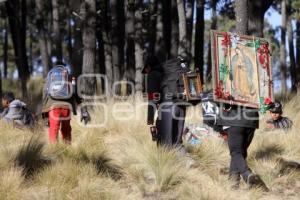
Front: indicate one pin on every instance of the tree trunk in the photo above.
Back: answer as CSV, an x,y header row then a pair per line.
x,y
283,67
4,55
30,53
49,25
56,30
101,56
214,17
4,52
256,23
114,39
89,44
175,30
108,64
5,49
106,35
100,41
213,26
256,14
167,25
130,45
138,46
298,51
160,49
182,49
77,50
17,20
117,39
42,37
199,37
69,21
189,25
292,54
152,27
121,36
0,82
241,16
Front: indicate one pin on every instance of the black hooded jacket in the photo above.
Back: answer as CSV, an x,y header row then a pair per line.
x,y
217,115
233,115
172,87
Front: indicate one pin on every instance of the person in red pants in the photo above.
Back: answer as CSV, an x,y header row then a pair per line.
x,y
59,99
59,118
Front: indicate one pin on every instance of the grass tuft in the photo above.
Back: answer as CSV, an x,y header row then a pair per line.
x,y
268,152
30,157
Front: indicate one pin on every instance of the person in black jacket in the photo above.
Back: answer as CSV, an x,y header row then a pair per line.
x,y
153,71
172,109
240,124
277,121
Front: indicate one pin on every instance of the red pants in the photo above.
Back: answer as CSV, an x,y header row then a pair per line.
x,y
59,118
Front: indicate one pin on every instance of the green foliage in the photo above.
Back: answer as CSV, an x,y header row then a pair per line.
x,y
296,6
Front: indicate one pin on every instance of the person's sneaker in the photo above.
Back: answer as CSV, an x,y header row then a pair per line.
x,y
235,178
254,181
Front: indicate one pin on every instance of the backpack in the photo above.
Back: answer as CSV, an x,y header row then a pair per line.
x,y
18,111
172,83
28,117
58,84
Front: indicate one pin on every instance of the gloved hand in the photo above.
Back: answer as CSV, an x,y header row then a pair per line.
x,y
153,131
85,116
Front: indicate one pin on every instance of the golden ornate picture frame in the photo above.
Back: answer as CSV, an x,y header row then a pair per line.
x,y
192,86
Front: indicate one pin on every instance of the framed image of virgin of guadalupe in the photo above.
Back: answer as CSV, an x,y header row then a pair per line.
x,y
241,69
192,85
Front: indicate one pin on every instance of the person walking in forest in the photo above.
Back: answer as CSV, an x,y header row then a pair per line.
x,y
172,109
153,71
59,98
240,123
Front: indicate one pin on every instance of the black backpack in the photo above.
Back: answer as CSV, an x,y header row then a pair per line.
x,y
28,117
172,83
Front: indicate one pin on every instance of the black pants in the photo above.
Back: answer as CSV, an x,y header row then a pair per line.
x,y
239,139
170,124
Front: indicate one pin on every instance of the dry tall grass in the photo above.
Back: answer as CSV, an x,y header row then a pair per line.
x,y
119,161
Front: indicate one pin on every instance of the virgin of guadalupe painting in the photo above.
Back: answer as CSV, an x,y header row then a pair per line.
x,y
241,69
243,73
